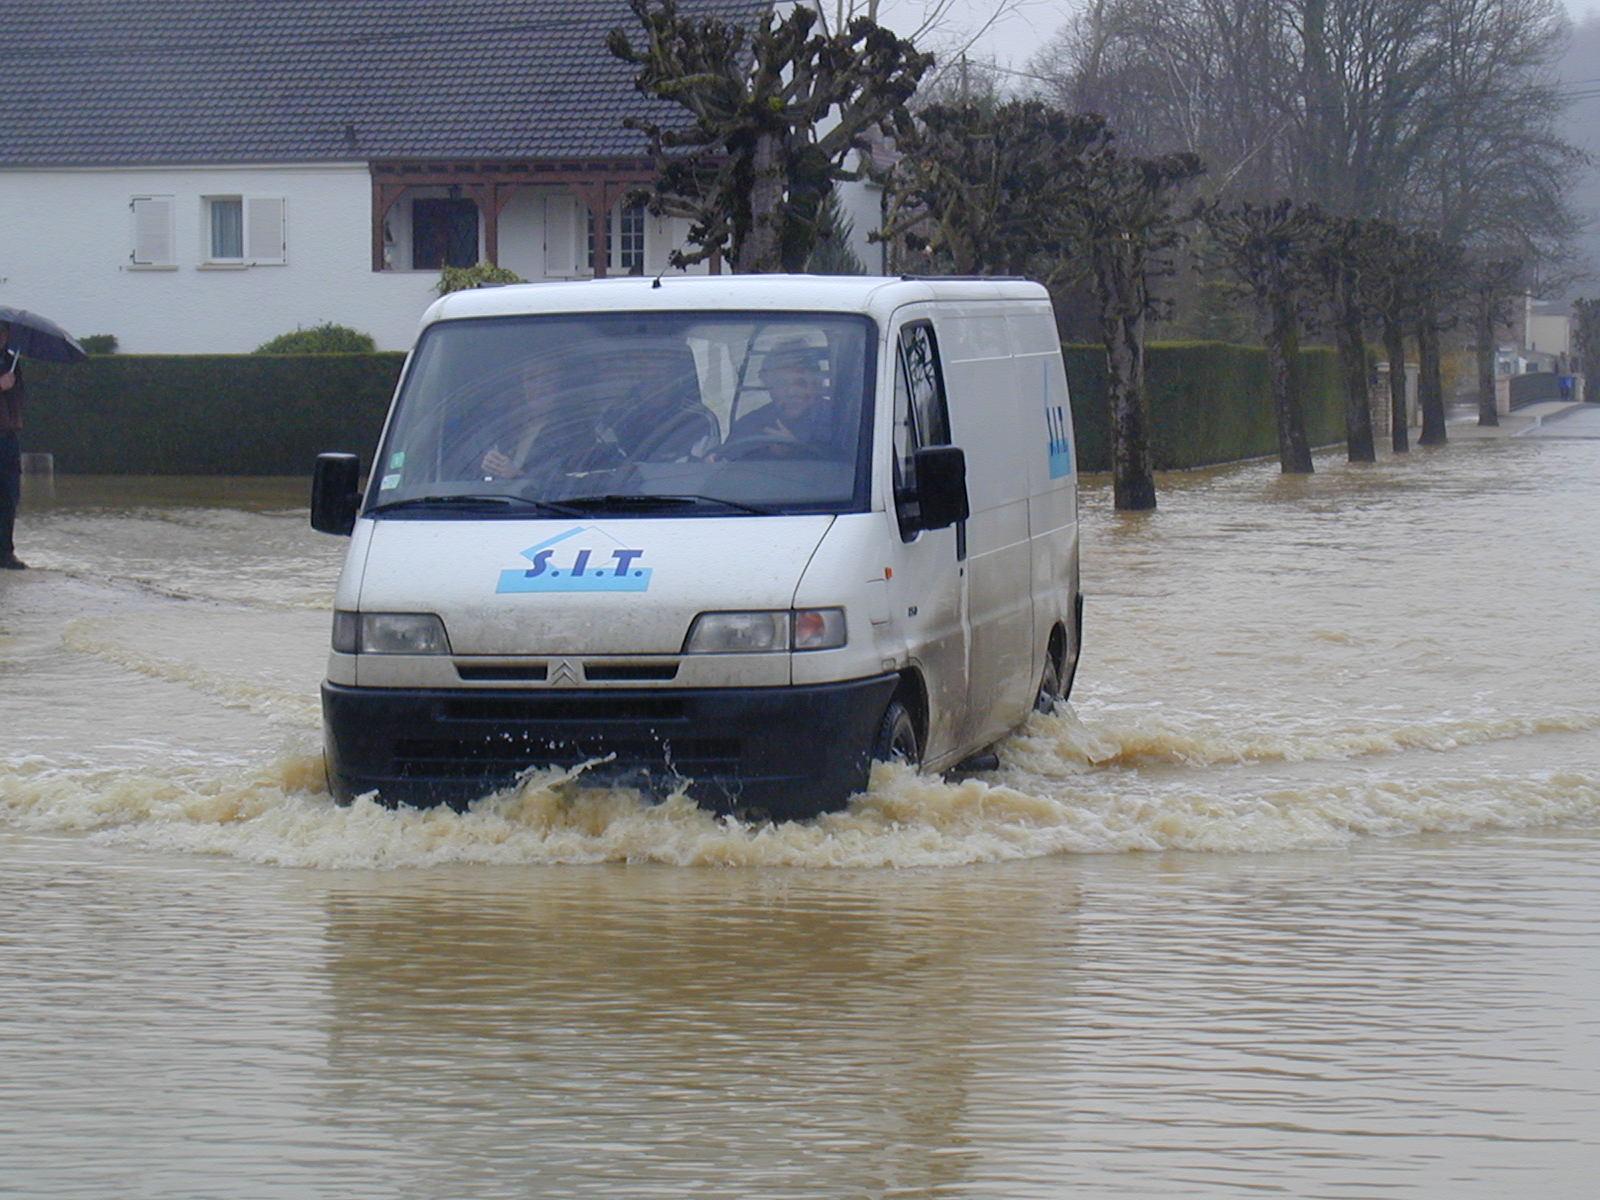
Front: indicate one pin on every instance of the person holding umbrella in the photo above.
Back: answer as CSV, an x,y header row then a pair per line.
x,y
12,393
21,332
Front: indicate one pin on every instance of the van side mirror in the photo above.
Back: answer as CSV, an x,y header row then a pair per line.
x,y
335,493
941,486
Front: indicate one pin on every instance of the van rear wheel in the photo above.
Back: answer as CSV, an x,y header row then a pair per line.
x,y
897,737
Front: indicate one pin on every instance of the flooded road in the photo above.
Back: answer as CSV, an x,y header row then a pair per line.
x,y
1300,898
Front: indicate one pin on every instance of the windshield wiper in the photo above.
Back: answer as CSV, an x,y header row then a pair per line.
x,y
472,500
648,501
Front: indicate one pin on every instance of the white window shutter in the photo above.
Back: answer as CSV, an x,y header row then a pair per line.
x,y
560,250
154,237
266,230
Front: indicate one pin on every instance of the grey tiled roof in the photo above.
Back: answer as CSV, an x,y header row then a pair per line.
x,y
125,82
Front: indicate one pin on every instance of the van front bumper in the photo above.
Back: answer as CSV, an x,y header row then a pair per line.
x,y
790,752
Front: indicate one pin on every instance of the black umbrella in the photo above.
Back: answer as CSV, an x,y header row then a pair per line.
x,y
33,336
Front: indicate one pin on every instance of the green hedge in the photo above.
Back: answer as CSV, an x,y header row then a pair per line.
x,y
1209,403
194,414
271,415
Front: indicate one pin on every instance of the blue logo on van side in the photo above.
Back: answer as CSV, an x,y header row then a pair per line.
x,y
1060,441
582,569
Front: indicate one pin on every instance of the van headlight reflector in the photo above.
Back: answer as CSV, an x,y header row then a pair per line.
x,y
389,633
766,632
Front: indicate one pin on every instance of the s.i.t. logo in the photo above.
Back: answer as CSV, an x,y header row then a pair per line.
x,y
578,568
1057,418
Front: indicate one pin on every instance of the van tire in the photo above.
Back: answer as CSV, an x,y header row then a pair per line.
x,y
1049,686
897,737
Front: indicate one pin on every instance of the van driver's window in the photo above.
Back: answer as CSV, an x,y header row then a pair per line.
x,y
921,417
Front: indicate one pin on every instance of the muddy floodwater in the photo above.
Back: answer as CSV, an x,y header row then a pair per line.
x,y
1300,897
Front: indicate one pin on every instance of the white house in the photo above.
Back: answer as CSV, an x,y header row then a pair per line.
x,y
201,175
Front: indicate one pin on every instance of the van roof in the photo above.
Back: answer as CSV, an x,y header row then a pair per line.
x,y
872,294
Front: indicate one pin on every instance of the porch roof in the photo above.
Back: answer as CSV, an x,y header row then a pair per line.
x,y
150,82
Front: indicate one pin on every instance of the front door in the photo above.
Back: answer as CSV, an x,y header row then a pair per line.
x,y
928,589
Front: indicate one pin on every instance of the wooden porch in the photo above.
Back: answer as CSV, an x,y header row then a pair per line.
x,y
597,183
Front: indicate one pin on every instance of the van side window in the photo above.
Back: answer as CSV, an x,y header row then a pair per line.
x,y
921,417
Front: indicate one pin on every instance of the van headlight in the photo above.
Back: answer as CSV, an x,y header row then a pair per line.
x,y
389,633
766,632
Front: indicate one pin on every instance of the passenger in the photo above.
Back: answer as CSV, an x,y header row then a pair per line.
x,y
547,434
802,409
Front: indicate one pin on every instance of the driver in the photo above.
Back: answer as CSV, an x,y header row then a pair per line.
x,y
802,404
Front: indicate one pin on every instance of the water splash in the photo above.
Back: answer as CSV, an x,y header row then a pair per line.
x,y
281,814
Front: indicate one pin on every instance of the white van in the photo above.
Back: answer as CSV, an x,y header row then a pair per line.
x,y
741,534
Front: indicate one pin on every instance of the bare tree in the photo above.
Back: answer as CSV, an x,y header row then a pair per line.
x,y
1337,260
1389,275
1491,285
1437,279
1588,314
1493,171
1116,214
1022,187
1435,113
1268,248
974,184
776,112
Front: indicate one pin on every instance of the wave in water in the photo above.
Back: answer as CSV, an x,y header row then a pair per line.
x,y
282,815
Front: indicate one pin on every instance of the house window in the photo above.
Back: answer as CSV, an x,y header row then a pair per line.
x,y
630,240
624,238
154,236
225,222
244,230
444,233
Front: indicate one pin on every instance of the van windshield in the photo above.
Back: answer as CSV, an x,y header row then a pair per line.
x,y
668,414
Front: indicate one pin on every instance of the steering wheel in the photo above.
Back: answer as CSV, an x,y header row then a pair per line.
x,y
697,425
764,445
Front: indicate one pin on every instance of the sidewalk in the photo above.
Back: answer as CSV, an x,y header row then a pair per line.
x,y
1461,421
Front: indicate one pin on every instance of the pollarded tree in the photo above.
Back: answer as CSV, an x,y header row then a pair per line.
x,y
1023,188
1437,278
1388,281
1337,261
1588,314
1268,248
1491,285
974,186
1116,215
776,111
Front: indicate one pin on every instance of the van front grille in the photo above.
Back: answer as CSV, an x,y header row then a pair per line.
x,y
642,672
563,707
503,673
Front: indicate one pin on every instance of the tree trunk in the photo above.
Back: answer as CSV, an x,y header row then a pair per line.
x,y
1488,413
1353,364
1394,345
761,249
1283,353
1430,387
1133,484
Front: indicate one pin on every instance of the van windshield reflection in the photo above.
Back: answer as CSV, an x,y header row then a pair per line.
x,y
653,414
